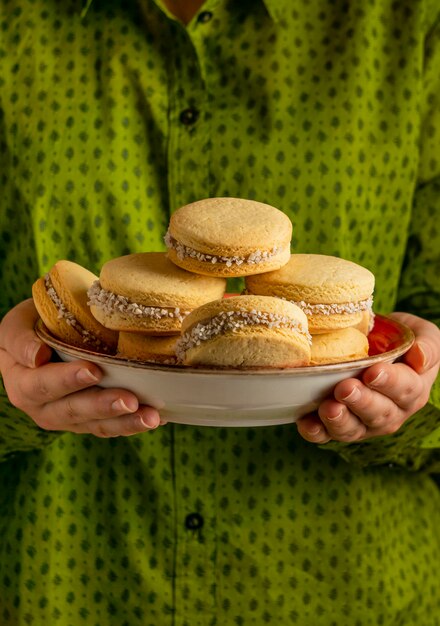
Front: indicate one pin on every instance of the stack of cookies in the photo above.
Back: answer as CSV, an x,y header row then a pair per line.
x,y
145,297
337,297
297,310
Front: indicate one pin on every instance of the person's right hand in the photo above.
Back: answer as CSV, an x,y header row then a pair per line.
x,y
63,396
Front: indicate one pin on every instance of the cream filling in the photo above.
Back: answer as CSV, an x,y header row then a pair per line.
x,y
183,252
334,309
234,321
327,309
66,315
111,302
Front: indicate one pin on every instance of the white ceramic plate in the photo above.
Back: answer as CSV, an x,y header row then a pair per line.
x,y
209,397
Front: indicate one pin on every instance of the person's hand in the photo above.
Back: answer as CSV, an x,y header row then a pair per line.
x,y
63,396
386,396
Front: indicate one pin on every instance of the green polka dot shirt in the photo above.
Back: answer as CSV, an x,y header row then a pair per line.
x,y
113,114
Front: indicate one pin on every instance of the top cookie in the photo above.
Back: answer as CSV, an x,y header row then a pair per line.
x,y
229,237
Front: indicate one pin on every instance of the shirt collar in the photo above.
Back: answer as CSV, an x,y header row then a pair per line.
x,y
275,8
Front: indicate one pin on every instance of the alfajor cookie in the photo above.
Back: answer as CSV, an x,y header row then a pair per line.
x,y
332,292
346,344
366,324
146,292
142,347
60,298
245,332
229,237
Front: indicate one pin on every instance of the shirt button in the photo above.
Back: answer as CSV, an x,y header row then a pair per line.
x,y
189,116
194,521
204,17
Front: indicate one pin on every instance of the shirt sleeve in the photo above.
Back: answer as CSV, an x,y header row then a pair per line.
x,y
18,433
416,446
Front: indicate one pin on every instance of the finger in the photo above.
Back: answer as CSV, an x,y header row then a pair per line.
x,y
54,381
375,410
146,418
396,381
18,338
425,352
87,405
311,429
340,423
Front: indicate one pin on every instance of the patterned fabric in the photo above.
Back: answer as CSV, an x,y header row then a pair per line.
x,y
112,116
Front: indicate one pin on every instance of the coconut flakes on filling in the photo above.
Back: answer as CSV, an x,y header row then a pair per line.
x,y
234,321
66,315
332,309
327,309
111,302
183,252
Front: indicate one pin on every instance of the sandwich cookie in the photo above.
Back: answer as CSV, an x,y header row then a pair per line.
x,y
366,324
229,237
245,332
60,298
346,344
142,347
145,292
332,292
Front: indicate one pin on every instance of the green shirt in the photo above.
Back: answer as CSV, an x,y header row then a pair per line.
x,y
113,116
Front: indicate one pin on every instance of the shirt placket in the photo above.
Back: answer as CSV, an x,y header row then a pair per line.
x,y
193,448
195,547
189,141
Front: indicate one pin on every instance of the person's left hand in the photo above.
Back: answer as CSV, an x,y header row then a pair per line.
x,y
385,397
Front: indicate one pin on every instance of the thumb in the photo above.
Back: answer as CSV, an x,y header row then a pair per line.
x,y
419,357
424,354
18,338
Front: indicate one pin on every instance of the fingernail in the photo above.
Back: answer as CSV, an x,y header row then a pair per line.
x,y
316,430
150,421
32,350
380,379
120,406
147,424
334,417
422,355
354,395
85,377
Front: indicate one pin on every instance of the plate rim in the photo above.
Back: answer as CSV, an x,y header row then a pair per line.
x,y
95,357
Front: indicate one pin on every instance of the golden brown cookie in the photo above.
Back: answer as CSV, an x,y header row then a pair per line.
x,y
61,301
346,344
147,292
229,237
142,347
333,292
245,332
